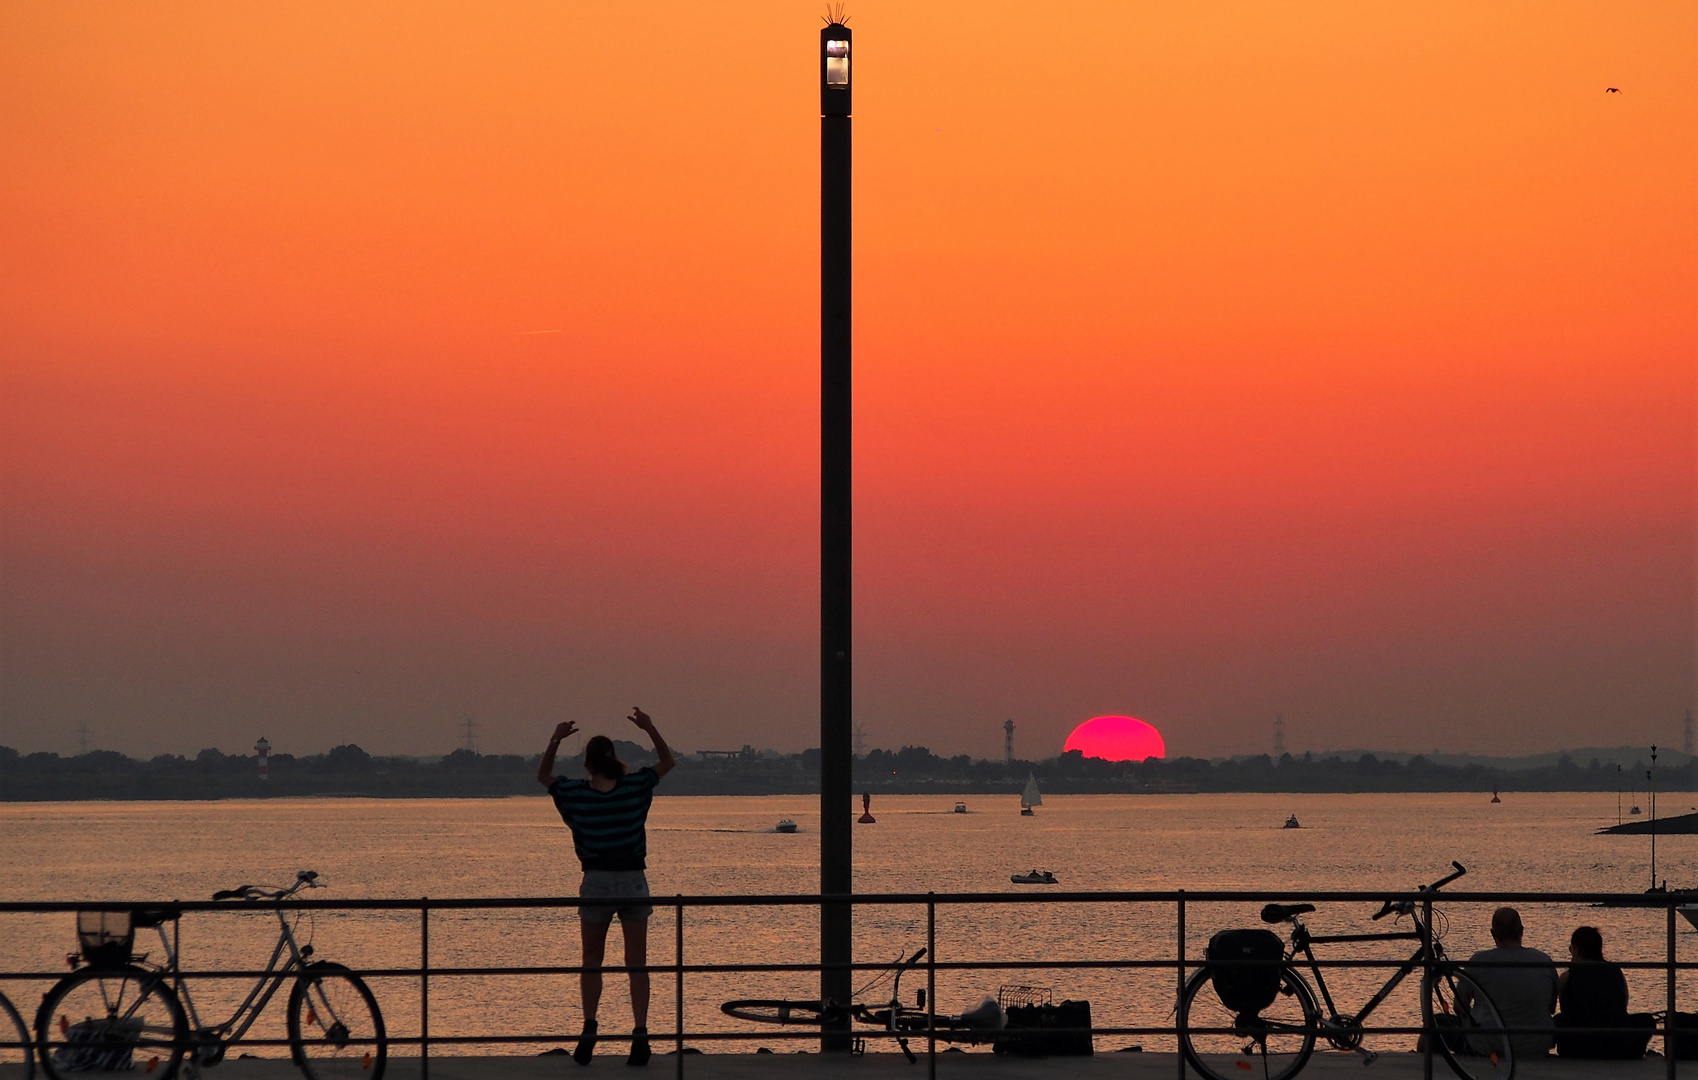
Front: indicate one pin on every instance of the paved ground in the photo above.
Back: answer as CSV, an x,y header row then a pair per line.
x,y
956,1066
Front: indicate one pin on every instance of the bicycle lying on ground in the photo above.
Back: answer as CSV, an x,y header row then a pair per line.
x,y
981,1024
17,1052
1249,1010
117,1011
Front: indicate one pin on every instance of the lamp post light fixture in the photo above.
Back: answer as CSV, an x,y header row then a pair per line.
x,y
837,728
835,42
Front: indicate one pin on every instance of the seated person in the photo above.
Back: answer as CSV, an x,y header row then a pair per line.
x,y
1594,994
1525,996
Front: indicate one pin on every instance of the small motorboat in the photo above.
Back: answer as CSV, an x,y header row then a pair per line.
x,y
960,808
1035,877
1633,811
786,826
1292,823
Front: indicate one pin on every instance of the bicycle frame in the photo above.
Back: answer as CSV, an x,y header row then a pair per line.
x,y
1425,954
1428,953
272,980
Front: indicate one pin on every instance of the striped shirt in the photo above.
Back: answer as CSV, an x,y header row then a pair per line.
x,y
607,826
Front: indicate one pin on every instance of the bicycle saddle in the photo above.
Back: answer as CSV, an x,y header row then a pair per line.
x,y
143,917
1278,913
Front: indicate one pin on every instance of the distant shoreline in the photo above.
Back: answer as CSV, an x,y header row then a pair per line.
x,y
349,772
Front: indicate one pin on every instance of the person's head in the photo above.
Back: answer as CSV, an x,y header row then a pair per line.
x,y
602,760
1586,943
1506,926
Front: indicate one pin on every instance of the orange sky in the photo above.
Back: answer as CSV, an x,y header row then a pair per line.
x,y
370,365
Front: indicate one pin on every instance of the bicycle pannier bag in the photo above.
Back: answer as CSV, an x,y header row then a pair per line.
x,y
1244,966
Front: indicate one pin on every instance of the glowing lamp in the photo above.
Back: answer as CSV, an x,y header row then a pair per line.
x,y
835,44
836,63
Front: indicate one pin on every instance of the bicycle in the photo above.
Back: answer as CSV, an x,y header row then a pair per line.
x,y
973,1026
17,1052
1222,1038
118,1011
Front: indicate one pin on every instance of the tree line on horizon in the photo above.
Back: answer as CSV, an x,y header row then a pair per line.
x,y
348,770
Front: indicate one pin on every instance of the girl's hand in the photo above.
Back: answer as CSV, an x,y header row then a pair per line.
x,y
564,731
641,719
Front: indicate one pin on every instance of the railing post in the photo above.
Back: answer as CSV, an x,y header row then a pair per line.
x,y
931,985
1179,993
1427,975
678,990
1669,1021
424,988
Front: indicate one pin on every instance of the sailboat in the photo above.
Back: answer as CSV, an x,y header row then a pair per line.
x,y
1030,797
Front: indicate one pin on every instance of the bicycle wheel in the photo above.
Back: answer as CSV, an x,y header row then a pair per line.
x,y
103,1019
776,1011
17,1051
335,1028
1274,1044
1468,1026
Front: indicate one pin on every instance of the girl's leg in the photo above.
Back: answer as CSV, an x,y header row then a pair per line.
x,y
637,955
595,950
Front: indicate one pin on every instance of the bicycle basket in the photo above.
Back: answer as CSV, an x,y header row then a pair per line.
x,y
105,937
1244,965
1013,995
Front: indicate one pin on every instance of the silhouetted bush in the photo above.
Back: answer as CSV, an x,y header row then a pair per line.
x,y
348,758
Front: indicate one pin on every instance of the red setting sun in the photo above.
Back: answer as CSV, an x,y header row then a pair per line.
x,y
1117,738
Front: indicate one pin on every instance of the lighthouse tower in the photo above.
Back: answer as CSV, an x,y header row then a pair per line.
x,y
263,749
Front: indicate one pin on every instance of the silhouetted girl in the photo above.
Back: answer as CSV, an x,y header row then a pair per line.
x,y
607,812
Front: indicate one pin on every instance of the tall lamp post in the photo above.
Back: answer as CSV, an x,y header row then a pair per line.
x,y
836,719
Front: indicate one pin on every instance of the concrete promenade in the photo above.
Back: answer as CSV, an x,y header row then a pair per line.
x,y
956,1066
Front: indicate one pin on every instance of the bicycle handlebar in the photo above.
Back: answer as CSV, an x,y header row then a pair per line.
x,y
1460,870
1404,907
304,879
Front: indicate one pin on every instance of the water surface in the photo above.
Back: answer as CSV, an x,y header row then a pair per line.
x,y
727,845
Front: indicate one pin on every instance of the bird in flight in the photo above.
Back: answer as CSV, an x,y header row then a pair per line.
x,y
1611,90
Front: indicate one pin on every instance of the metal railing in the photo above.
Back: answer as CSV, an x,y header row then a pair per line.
x,y
1179,962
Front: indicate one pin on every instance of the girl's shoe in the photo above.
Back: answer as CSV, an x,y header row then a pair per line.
x,y
586,1044
639,1047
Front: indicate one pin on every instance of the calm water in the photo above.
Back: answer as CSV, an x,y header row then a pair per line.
x,y
517,847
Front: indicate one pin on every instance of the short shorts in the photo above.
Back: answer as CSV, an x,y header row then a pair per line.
x,y
622,885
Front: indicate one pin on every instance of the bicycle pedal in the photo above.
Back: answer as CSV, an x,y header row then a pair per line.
x,y
1369,1057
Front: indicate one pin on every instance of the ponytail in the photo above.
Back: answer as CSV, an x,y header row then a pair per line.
x,y
601,759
